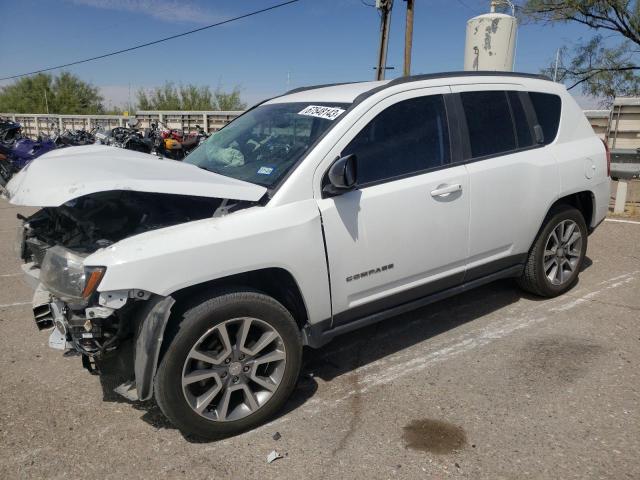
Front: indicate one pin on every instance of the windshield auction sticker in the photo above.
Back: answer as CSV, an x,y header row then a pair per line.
x,y
328,113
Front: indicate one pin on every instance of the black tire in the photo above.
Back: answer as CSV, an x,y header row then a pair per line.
x,y
198,318
534,279
5,173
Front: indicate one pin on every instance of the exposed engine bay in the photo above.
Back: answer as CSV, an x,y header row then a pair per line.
x,y
96,221
54,242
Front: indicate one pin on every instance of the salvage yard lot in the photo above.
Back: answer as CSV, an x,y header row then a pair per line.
x,y
490,384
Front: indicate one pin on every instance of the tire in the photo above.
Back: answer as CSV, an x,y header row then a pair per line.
x,y
197,347
5,173
535,278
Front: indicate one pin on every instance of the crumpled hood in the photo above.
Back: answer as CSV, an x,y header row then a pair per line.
x,y
62,175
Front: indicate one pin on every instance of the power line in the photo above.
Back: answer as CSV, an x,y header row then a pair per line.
x,y
461,2
273,7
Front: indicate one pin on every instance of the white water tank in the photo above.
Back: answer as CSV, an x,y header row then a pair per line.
x,y
490,42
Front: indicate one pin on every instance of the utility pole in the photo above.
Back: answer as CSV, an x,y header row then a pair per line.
x,y
555,70
408,39
385,21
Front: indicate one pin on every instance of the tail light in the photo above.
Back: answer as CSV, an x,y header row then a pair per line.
x,y
608,152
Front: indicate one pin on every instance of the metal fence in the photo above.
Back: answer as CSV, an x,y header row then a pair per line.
x,y
599,120
35,124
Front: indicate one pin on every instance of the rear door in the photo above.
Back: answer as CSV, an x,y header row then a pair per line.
x,y
512,176
403,233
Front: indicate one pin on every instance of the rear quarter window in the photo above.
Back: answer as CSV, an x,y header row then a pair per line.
x,y
547,108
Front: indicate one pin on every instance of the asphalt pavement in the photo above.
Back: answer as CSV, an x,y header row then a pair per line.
x,y
491,384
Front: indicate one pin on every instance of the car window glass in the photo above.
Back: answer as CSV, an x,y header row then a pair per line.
x,y
263,145
407,137
523,132
547,107
489,123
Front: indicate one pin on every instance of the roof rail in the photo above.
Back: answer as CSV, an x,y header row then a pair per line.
x,y
435,76
479,73
417,78
313,87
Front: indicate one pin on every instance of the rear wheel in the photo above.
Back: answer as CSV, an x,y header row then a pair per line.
x,y
231,365
557,254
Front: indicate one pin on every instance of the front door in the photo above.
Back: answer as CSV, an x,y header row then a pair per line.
x,y
403,233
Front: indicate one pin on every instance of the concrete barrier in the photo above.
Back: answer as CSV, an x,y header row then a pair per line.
x,y
34,124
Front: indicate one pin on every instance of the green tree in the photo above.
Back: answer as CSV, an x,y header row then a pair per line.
x,y
196,98
602,66
229,100
64,94
188,97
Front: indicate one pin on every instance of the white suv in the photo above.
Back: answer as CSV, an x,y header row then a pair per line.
x,y
313,214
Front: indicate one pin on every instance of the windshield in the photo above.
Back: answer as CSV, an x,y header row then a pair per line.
x,y
262,145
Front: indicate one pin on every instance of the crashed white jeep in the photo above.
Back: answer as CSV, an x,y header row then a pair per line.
x,y
312,214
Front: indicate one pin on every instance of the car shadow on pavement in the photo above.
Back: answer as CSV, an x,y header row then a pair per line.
x,y
113,373
367,345
361,347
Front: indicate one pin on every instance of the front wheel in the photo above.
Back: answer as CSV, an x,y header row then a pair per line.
x,y
557,254
232,364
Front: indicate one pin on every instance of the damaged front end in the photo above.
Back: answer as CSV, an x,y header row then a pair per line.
x,y
90,199
55,244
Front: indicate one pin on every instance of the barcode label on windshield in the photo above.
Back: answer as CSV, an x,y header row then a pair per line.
x,y
328,113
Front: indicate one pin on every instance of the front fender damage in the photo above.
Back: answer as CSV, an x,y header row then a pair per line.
x,y
152,323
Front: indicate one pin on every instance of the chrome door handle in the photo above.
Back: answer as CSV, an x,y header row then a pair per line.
x,y
445,190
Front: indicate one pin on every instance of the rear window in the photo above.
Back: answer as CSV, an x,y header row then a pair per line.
x,y
547,107
489,122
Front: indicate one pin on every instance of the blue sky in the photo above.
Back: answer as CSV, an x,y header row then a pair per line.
x,y
314,41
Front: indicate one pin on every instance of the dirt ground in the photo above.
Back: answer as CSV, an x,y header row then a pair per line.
x,y
488,385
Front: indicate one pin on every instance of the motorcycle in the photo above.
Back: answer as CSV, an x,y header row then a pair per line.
x,y
10,131
128,137
76,137
174,144
21,152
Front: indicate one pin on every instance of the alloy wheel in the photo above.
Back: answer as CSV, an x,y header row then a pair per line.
x,y
562,252
233,369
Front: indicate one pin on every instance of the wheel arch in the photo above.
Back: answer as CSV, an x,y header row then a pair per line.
x,y
583,201
276,282
157,322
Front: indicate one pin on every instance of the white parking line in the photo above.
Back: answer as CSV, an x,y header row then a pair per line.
x,y
16,304
621,221
610,284
407,363
10,274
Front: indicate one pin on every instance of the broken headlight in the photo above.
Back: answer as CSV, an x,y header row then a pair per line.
x,y
64,275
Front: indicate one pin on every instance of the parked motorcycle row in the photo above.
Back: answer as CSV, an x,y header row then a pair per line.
x,y
17,150
158,139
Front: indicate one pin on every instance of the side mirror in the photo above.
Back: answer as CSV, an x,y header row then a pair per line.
x,y
342,176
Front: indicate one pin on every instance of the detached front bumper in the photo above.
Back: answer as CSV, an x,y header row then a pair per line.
x,y
69,329
93,336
